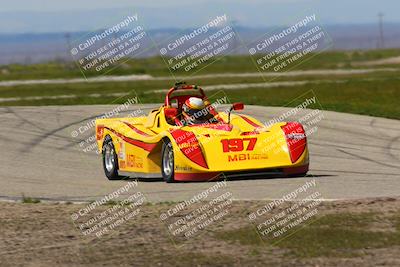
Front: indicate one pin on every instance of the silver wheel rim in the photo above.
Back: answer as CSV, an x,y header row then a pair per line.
x,y
109,159
168,161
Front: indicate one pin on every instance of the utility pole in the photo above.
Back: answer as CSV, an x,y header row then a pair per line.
x,y
381,38
67,37
235,38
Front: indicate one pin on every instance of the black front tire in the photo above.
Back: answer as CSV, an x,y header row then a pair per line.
x,y
167,162
110,160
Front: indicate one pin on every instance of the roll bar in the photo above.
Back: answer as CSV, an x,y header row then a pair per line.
x,y
182,86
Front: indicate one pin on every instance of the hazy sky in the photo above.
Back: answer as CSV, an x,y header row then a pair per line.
x,y
75,15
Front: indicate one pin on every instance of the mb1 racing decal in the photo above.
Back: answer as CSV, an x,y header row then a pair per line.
x,y
246,156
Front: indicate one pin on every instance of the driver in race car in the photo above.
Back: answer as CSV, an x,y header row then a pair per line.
x,y
195,111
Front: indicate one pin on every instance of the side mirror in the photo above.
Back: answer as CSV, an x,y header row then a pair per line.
x,y
235,106
238,106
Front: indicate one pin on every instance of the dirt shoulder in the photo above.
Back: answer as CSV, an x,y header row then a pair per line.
x,y
342,233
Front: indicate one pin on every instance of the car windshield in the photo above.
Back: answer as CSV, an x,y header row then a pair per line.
x,y
203,116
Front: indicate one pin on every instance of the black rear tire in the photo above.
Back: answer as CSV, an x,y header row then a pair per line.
x,y
110,160
167,162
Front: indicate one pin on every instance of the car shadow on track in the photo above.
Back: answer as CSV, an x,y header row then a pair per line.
x,y
265,177
244,177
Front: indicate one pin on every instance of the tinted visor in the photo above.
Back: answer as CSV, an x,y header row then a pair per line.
x,y
191,112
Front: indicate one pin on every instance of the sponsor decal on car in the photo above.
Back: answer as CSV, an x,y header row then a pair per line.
x,y
121,153
183,168
134,161
246,156
237,144
99,132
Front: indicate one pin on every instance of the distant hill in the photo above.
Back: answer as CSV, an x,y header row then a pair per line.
x,y
38,47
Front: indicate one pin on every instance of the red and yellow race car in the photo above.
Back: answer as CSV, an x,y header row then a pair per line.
x,y
187,139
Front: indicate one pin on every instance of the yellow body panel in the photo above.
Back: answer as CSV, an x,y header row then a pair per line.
x,y
138,144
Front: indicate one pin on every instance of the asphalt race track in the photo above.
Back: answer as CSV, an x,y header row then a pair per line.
x,y
351,157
